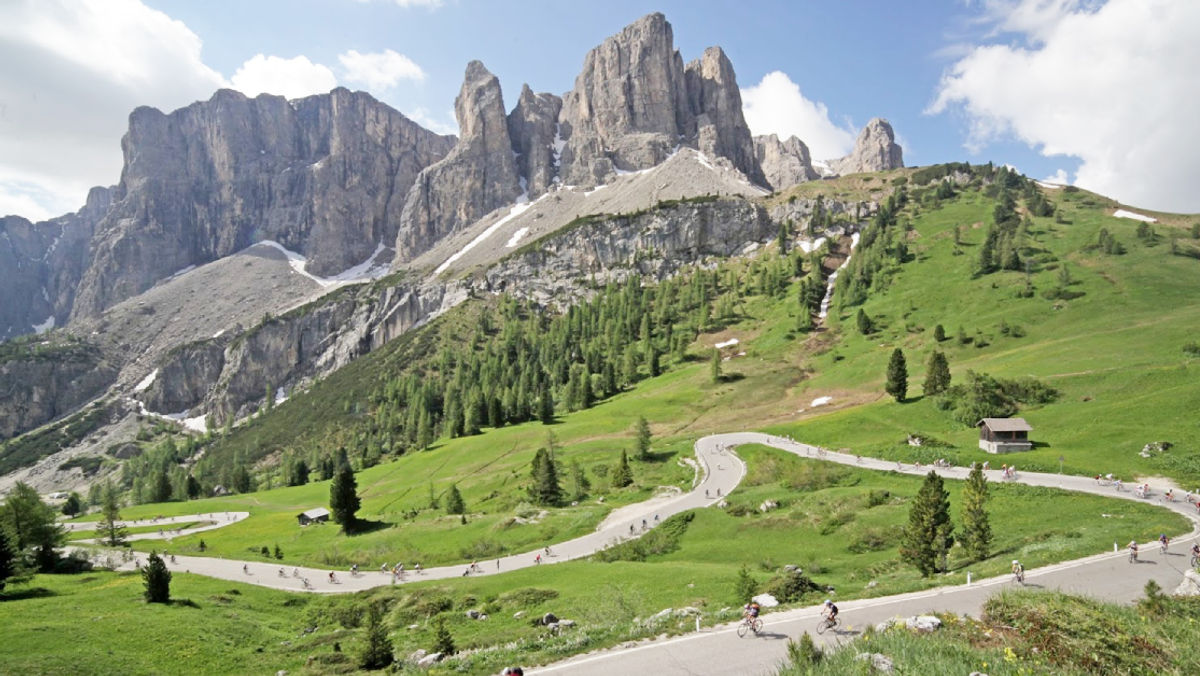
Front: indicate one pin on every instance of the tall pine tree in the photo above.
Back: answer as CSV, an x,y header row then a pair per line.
x,y
976,535
928,537
714,366
111,530
343,497
641,431
157,579
897,376
454,501
937,375
622,475
7,557
545,489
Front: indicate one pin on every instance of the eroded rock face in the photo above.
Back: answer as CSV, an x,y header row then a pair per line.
x,y
716,102
784,163
634,102
38,385
41,263
477,176
324,175
874,150
533,127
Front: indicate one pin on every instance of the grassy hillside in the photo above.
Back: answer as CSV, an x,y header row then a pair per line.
x,y
1112,336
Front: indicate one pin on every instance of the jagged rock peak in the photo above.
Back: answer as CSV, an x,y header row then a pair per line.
x,y
634,103
322,175
477,176
784,163
533,127
874,150
716,101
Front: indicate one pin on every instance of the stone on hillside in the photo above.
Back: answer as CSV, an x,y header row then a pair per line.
x,y
566,623
417,655
519,613
923,623
413,626
478,176
792,568
687,611
549,618
880,663
661,615
874,150
1156,447
472,614
768,505
482,616
765,600
1190,585
429,660
784,163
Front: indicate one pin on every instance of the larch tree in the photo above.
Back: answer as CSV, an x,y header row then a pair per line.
x,y
545,489
928,537
976,535
111,530
641,430
937,375
343,498
454,501
622,475
897,376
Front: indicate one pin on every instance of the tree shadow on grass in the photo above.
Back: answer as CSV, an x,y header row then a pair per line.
x,y
186,603
364,526
26,593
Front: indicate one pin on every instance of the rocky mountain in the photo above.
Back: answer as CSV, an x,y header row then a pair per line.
x,y
533,128
784,163
324,175
478,175
875,149
635,102
41,263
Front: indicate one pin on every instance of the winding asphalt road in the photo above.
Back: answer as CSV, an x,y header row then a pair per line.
x,y
1107,575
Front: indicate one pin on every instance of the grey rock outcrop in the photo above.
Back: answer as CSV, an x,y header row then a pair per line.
x,y
478,175
716,102
41,263
784,163
875,149
324,175
42,382
634,102
533,127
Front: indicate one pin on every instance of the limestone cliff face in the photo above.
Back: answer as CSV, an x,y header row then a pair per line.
x,y
634,102
41,263
784,163
324,175
874,150
40,382
533,127
479,174
716,102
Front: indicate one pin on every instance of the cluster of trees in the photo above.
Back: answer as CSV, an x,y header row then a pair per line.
x,y
30,535
1007,237
984,396
929,535
881,248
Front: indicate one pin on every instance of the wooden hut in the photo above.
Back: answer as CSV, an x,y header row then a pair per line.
x,y
316,515
1004,435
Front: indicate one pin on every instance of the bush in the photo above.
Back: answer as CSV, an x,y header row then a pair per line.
x,y
872,540
983,396
662,540
443,642
790,586
1192,349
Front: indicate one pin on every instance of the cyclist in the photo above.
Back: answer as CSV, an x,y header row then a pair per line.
x,y
829,612
1018,571
1195,553
751,610
1163,541
1133,549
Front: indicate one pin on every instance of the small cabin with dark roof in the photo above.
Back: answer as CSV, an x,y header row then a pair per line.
x,y
316,515
1004,435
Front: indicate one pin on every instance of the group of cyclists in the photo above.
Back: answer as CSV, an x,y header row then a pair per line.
x,y
1164,542
752,623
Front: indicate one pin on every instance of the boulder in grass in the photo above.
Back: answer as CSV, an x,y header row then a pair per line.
x,y
880,663
765,600
924,623
429,660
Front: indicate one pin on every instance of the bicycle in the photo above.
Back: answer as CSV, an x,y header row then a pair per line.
x,y
826,623
1195,561
754,624
1018,577
1133,556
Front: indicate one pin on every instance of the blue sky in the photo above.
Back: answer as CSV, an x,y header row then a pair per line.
x,y
1099,92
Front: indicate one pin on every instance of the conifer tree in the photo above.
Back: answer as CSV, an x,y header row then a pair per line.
x,y
622,476
73,505
343,498
715,365
976,530
157,580
192,487
937,375
454,501
7,557
939,333
804,320
443,642
744,586
111,530
545,489
865,325
377,651
546,405
897,376
161,491
579,480
641,431
928,537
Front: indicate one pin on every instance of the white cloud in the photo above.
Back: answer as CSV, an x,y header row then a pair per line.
x,y
776,106
1059,176
291,78
379,70
74,69
438,125
1115,85
427,4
